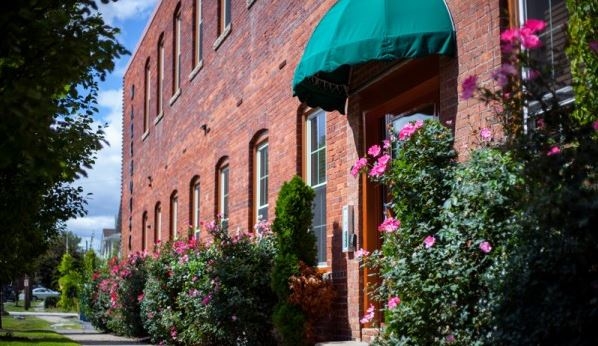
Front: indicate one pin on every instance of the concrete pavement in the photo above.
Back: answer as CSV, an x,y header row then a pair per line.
x,y
69,325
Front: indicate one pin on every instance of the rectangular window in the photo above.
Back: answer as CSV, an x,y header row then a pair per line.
x,y
223,189
160,76
554,37
177,53
261,183
551,54
316,177
195,210
197,34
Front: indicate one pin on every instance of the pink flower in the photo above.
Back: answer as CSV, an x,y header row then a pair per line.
x,y
380,166
501,76
173,333
386,144
534,25
369,315
374,150
510,35
594,46
595,125
359,164
393,302
408,130
486,134
530,41
450,339
468,87
207,299
553,151
233,317
389,225
429,241
361,253
485,247
193,293
140,297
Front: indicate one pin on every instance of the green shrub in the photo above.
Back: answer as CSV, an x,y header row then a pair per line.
x,y
217,294
295,243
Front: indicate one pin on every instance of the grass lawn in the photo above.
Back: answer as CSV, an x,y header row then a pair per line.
x,y
30,331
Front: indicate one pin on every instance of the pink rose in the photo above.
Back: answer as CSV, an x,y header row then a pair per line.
x,y
429,241
534,25
374,150
359,164
553,151
393,302
389,225
485,247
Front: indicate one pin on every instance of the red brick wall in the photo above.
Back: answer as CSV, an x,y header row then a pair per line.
x,y
244,87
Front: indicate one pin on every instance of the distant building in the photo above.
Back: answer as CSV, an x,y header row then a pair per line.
x,y
110,243
211,125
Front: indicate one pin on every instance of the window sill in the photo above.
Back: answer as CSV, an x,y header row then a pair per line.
x,y
249,3
158,118
175,97
144,135
196,70
222,37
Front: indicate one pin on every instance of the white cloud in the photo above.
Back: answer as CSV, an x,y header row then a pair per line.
x,y
103,180
123,10
86,227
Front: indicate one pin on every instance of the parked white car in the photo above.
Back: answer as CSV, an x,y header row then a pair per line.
x,y
40,293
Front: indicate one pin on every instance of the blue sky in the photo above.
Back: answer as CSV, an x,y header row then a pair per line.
x,y
103,181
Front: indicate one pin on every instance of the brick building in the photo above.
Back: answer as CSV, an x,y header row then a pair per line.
x,y
211,124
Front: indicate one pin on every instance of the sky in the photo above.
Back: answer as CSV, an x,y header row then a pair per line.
x,y
103,180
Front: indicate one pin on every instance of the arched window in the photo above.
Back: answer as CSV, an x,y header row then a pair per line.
x,y
174,214
144,227
259,176
222,190
197,34
147,96
176,45
160,67
158,223
194,197
223,16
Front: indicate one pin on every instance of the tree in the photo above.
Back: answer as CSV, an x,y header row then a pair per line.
x,y
52,55
47,264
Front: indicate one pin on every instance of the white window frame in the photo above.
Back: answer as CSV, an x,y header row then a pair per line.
x,y
197,39
160,78
309,152
260,180
174,214
148,84
158,223
195,199
177,54
223,193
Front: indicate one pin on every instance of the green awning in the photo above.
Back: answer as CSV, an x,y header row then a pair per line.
x,y
358,31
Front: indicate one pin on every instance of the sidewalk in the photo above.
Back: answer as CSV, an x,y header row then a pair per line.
x,y
85,334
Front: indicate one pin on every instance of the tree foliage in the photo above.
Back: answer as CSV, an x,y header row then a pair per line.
x,y
52,55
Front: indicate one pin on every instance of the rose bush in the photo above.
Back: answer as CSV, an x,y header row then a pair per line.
x,y
499,249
